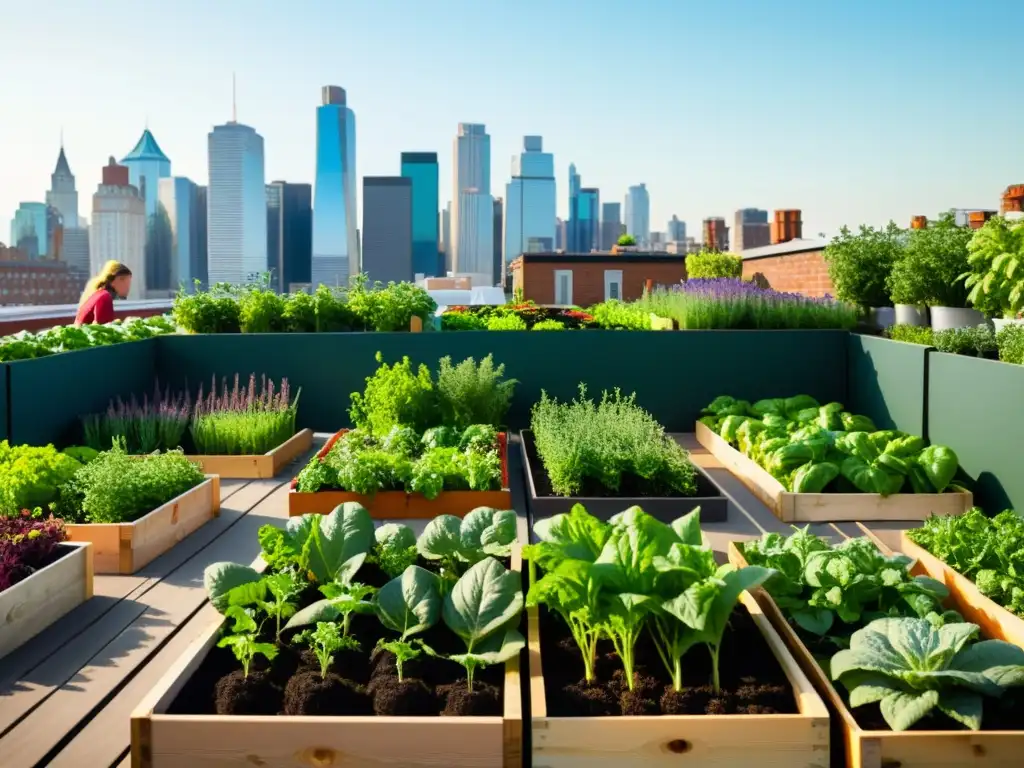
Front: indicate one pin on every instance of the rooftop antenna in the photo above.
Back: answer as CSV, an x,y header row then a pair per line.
x,y
62,137
234,100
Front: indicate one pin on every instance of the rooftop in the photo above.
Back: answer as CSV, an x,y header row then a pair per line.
x,y
800,245
146,149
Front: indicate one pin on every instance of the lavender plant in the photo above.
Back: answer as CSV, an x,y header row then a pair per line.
x,y
721,303
241,420
155,424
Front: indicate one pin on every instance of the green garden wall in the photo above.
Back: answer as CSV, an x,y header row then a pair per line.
x,y
976,407
49,394
888,381
4,403
673,374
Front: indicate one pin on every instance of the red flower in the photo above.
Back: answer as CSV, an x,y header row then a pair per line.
x,y
458,309
575,314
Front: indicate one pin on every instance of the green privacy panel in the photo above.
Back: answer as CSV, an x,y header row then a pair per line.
x,y
976,407
887,381
4,401
674,373
48,395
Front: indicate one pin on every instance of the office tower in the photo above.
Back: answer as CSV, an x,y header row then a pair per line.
x,y
201,267
611,225
289,234
75,252
421,168
388,245
560,234
571,224
335,246
530,202
118,230
750,229
62,194
446,237
471,183
147,164
638,214
181,230
716,234
30,230
236,204
675,232
588,221
500,267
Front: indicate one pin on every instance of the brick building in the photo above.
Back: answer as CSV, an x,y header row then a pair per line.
x,y
796,266
589,278
42,281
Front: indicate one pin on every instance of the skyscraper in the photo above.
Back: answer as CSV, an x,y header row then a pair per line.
x,y
446,237
388,244
236,205
62,194
588,223
676,230
611,225
147,164
181,230
530,201
335,246
473,247
118,230
571,244
638,214
421,169
498,233
289,234
30,230
751,229
560,235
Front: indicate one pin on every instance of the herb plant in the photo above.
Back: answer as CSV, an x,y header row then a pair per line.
x,y
993,275
912,334
243,640
325,640
1010,340
711,264
470,393
32,476
934,257
859,264
978,341
395,548
158,423
244,420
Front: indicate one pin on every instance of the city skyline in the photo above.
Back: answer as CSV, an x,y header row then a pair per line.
x,y
865,131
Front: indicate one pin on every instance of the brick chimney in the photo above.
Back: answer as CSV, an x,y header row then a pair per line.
x,y
1013,199
977,219
786,226
115,175
919,222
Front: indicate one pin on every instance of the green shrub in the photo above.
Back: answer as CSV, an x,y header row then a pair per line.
x,y
462,321
912,334
616,315
993,276
977,341
709,264
548,325
928,270
859,264
1010,341
506,323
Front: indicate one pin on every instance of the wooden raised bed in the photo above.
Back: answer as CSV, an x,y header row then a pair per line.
x,y
696,741
399,504
257,467
33,604
124,548
828,507
160,740
714,506
893,749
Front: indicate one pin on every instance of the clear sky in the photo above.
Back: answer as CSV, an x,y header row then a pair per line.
x,y
853,111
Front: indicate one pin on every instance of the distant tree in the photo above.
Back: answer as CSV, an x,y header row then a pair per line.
x,y
626,240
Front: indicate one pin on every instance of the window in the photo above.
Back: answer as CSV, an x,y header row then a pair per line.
x,y
563,286
612,284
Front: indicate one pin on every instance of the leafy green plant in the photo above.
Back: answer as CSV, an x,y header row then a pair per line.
x,y
462,321
394,394
342,602
26,345
260,309
395,548
325,641
859,264
548,325
927,271
994,276
1010,341
390,307
911,668
408,604
32,476
618,315
213,311
977,341
284,589
243,640
911,334
455,543
626,240
243,420
712,264
473,393
506,323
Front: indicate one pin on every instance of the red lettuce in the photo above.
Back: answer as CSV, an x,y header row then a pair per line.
x,y
27,543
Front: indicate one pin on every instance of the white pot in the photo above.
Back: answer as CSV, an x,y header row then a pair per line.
x,y
1002,322
881,317
911,314
944,318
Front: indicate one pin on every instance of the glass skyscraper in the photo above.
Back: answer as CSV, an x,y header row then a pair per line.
x,y
335,247
638,214
421,169
530,202
588,227
30,230
571,244
147,164
289,234
472,229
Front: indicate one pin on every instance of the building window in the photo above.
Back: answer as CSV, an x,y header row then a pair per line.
x,y
563,286
612,284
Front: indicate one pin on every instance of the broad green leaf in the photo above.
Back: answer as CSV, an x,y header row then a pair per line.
x,y
321,610
498,537
220,578
345,538
694,605
410,603
579,535
483,600
395,535
687,528
987,654
963,706
500,647
440,538
902,709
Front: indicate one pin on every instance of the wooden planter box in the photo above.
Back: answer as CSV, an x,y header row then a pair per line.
x,y
253,467
160,740
892,749
714,507
399,504
828,507
124,548
694,741
31,605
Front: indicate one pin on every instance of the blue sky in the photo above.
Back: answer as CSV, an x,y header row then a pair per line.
x,y
852,111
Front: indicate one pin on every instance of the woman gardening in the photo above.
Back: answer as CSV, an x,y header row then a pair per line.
x,y
97,302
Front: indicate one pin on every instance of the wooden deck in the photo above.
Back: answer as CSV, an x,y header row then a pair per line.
x,y
65,700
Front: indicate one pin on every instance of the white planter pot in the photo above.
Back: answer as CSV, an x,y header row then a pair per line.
x,y
911,314
944,318
881,317
1002,322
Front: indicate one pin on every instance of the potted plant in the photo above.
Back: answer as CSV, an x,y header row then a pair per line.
x,y
625,244
859,266
994,274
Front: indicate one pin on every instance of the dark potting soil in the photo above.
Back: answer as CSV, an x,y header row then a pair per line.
x,y
630,486
752,680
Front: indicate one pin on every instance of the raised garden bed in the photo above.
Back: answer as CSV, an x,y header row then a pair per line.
x,y
124,548
262,467
544,503
32,604
828,507
566,736
865,740
399,504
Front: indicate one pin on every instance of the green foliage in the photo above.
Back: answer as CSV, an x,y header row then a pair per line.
x,y
463,321
453,544
1010,341
928,270
911,667
618,315
395,395
911,334
26,345
214,311
978,341
859,264
506,323
604,443
548,325
995,272
31,476
391,307
712,264
261,310
395,548
626,241
325,641
471,393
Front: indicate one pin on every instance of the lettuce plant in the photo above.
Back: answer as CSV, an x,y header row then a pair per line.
x,y
911,668
243,638
395,548
408,604
455,543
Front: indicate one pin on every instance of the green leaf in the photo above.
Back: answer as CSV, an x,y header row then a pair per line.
x,y
902,709
322,610
687,528
410,603
577,534
441,538
963,706
939,464
220,578
483,600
